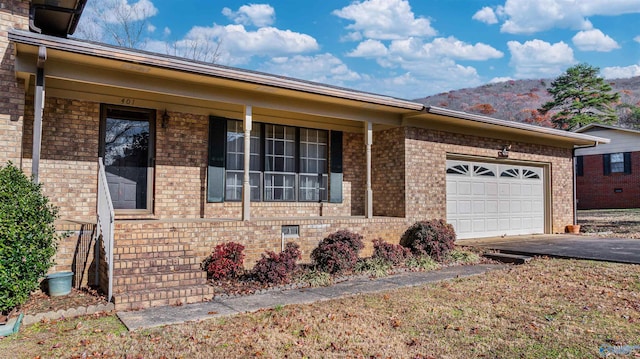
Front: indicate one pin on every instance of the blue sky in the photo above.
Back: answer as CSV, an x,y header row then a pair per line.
x,y
402,48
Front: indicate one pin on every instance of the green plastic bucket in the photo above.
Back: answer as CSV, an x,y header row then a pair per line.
x,y
59,283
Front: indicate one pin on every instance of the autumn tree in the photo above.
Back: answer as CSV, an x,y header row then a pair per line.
x,y
580,97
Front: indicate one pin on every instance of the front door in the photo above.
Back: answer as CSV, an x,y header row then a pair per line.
x,y
127,150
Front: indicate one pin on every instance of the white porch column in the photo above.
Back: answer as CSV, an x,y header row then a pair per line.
x,y
246,187
38,112
368,129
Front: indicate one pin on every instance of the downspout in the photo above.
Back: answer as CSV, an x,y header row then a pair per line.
x,y
575,195
38,112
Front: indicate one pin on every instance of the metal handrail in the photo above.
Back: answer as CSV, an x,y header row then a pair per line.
x,y
105,222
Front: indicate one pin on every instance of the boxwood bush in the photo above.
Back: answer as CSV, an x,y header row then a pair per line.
x,y
27,236
434,238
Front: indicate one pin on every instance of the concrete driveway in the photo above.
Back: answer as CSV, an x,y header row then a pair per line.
x,y
563,246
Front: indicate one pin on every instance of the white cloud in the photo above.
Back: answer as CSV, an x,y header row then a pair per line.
x,y
594,40
537,58
385,20
234,45
486,15
166,31
323,68
496,80
454,48
637,38
617,72
528,17
369,48
151,28
259,15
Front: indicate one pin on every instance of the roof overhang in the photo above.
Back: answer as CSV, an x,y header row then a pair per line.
x,y
58,18
114,70
466,123
595,126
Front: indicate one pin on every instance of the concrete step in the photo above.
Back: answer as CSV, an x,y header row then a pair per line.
x,y
508,258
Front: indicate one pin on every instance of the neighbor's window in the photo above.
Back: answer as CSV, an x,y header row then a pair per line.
x,y
617,162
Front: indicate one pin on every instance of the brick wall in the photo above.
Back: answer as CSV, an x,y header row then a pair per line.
x,y
13,14
158,262
354,172
594,190
69,155
388,173
76,252
426,155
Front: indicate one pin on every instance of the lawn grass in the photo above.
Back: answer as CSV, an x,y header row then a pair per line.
x,y
621,223
547,308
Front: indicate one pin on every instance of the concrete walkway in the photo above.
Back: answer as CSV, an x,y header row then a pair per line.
x,y
617,250
220,307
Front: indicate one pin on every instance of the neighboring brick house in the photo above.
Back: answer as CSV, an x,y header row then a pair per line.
x,y
608,175
196,154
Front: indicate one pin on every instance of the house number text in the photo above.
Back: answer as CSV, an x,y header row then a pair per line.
x,y
127,101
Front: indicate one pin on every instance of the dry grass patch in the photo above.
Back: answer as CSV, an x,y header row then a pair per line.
x,y
548,308
619,223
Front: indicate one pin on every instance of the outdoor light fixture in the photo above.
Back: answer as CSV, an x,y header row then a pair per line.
x,y
165,119
504,152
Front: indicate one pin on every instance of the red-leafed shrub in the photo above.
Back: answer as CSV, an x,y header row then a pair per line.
x,y
393,253
434,238
338,252
276,267
226,261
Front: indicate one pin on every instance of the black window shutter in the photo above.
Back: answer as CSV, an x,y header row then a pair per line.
x,y
335,175
216,165
627,162
579,166
606,161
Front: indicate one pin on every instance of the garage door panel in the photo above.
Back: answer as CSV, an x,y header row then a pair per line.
x,y
491,199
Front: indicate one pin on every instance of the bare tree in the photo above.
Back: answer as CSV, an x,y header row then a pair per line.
x,y
199,50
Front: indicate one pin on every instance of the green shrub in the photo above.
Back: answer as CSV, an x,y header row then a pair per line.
x,y
315,278
375,267
338,252
459,256
434,238
27,236
424,263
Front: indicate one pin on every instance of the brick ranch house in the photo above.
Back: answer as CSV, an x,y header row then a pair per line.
x,y
191,155
608,175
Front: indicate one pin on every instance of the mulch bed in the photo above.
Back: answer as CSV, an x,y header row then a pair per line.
x,y
40,302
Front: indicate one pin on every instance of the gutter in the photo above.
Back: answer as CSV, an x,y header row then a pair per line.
x,y
515,125
201,68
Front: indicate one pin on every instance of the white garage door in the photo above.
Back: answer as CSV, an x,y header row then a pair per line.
x,y
486,199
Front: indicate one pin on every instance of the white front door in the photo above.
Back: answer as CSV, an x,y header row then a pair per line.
x,y
488,199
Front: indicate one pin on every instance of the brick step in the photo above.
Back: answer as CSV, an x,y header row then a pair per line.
x,y
140,299
155,262
160,278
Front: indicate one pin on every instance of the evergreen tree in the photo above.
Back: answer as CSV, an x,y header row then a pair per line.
x,y
580,97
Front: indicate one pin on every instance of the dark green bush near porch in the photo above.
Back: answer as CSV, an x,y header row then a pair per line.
x,y
27,236
338,252
434,238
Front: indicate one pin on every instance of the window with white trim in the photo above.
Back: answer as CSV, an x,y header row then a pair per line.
x,y
286,164
617,162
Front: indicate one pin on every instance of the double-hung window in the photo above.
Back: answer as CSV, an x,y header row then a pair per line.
x,y
280,163
287,164
617,163
235,162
